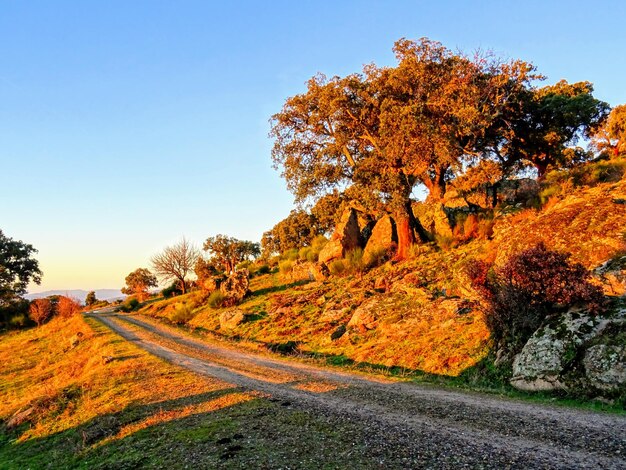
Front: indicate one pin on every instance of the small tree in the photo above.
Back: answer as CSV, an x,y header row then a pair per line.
x,y
529,287
67,306
138,282
176,262
40,310
610,137
227,252
90,299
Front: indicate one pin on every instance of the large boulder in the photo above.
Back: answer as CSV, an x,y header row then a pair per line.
x,y
540,364
605,366
575,350
232,318
345,238
236,287
365,317
383,237
306,270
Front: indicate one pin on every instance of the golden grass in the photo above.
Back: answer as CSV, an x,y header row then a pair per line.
x,y
66,387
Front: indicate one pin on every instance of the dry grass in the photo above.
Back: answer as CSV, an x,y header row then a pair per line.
x,y
66,387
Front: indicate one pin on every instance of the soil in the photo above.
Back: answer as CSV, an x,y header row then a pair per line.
x,y
402,424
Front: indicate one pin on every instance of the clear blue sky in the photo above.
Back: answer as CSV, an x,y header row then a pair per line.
x,y
125,125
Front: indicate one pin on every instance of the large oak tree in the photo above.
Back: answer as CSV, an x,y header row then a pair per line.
x,y
377,135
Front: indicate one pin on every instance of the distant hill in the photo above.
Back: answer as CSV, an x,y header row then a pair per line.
x,y
101,294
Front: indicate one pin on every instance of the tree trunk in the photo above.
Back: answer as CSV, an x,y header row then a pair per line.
x,y
183,286
407,226
437,185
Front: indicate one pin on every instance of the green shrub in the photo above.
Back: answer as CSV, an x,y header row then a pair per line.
x,y
216,299
285,267
304,253
171,290
129,305
183,313
354,261
290,255
377,256
337,267
18,321
263,269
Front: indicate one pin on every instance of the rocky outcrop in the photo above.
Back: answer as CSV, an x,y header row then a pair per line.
x,y
306,270
605,366
612,274
364,317
573,350
383,237
236,287
212,283
231,319
345,238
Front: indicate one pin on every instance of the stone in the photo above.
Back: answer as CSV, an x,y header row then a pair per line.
x,y
383,238
231,319
613,276
364,317
213,283
345,238
237,286
540,364
306,270
334,314
76,339
338,333
331,251
605,366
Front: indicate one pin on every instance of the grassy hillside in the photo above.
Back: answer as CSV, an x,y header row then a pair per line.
x,y
64,407
425,317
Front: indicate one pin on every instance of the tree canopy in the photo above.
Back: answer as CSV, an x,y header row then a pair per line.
x,y
91,298
376,135
176,262
138,282
17,269
379,134
227,252
610,137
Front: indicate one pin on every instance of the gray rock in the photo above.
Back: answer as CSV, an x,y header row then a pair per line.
x,y
605,366
345,238
540,364
236,287
365,318
232,318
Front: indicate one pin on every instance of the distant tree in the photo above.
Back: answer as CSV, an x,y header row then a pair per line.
x,y
610,137
67,306
17,269
298,229
550,121
176,262
90,299
138,282
40,310
227,252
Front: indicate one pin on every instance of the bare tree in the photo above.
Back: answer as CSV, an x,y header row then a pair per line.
x,y
40,310
176,262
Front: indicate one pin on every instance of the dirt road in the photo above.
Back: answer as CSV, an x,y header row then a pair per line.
x,y
429,427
